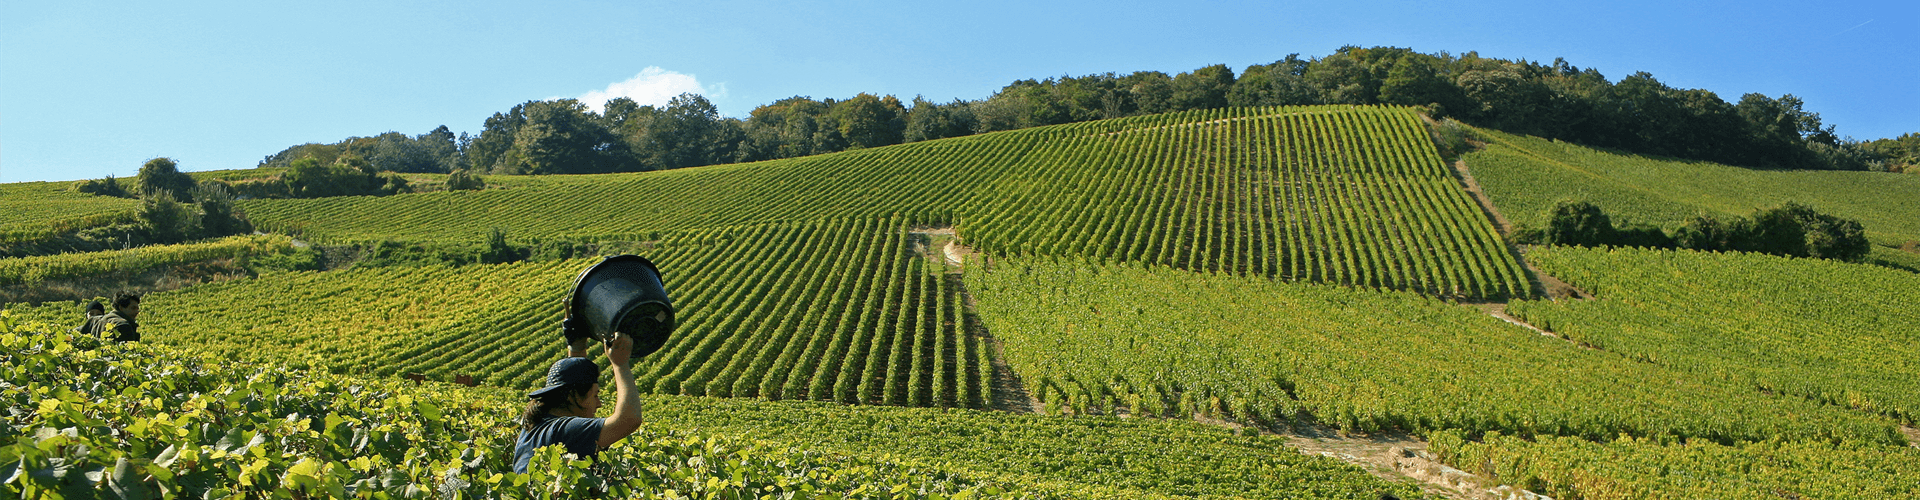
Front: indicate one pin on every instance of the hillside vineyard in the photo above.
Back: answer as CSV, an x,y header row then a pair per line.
x,y
838,310
1526,175
37,210
1221,304
1337,194
1823,330
1161,342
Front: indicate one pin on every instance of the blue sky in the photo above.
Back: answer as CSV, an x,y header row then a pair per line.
x,y
92,88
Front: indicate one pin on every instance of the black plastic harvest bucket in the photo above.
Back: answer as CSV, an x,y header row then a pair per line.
x,y
621,293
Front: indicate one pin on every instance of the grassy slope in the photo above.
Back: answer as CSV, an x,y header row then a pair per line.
x,y
1525,175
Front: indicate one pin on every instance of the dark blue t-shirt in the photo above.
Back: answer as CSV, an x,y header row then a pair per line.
x,y
580,435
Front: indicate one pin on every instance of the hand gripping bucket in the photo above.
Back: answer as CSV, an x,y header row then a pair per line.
x,y
621,293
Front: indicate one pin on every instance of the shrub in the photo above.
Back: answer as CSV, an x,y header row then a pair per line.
x,y
167,220
558,250
498,250
394,183
1452,137
300,259
274,187
217,216
164,175
1706,232
1579,223
1791,230
1642,235
103,187
464,180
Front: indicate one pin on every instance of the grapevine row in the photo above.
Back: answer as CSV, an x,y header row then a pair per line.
x,y
1822,330
37,269
1341,194
1101,339
840,310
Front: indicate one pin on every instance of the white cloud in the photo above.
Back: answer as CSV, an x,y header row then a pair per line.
x,y
653,86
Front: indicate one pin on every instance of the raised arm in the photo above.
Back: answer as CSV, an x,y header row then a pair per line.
x,y
626,403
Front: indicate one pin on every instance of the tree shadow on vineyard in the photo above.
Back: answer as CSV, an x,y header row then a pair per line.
x,y
1008,392
1005,392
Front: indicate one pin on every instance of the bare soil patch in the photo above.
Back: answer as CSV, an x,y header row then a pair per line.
x,y
1499,310
956,253
1396,456
1913,435
951,250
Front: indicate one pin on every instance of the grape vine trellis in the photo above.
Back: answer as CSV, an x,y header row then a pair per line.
x,y
833,310
1340,194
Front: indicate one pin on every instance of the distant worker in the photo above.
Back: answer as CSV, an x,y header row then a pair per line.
x,y
93,313
126,307
563,412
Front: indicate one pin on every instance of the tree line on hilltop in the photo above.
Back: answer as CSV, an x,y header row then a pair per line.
x,y
1637,114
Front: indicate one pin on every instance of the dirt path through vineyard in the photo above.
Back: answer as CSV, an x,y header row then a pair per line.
x,y
1394,457
1399,456
1541,283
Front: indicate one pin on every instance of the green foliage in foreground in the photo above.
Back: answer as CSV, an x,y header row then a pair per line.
x,y
1631,468
1164,342
1526,175
89,420
123,421
1832,332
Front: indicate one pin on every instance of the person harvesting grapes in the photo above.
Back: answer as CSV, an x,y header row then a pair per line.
x,y
94,310
621,301
563,411
126,307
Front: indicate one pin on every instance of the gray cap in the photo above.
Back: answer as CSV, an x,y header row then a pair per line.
x,y
569,371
